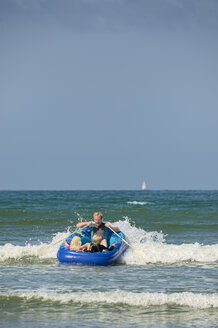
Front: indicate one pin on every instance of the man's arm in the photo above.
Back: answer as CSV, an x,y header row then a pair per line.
x,y
81,224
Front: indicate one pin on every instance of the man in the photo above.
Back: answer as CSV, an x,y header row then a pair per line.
x,y
99,227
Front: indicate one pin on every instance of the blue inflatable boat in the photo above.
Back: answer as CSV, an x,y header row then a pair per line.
x,y
65,255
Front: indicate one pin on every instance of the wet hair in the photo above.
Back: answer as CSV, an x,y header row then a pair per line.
x,y
75,243
98,214
96,239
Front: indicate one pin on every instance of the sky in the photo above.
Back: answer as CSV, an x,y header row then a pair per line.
x,y
103,94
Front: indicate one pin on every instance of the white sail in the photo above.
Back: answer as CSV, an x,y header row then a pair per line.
x,y
143,185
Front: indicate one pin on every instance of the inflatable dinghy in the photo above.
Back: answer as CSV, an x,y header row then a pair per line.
x,y
109,257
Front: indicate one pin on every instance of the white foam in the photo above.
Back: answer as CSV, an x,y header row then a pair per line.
x,y
44,250
138,235
156,253
198,301
152,244
135,202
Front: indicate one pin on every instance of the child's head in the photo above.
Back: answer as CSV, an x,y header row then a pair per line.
x,y
75,243
96,239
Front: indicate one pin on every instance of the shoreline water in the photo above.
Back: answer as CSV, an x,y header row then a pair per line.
x,y
175,286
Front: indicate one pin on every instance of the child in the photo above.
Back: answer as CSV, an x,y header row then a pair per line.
x,y
75,243
95,246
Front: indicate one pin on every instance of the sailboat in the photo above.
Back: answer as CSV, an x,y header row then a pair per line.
x,y
143,185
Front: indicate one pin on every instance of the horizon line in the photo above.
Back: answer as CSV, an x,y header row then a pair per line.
x,y
167,189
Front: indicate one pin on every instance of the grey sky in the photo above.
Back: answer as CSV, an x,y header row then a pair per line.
x,y
103,94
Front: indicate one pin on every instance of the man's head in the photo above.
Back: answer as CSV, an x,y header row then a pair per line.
x,y
97,216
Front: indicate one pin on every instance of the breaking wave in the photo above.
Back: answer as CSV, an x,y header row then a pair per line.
x,y
152,244
138,203
197,301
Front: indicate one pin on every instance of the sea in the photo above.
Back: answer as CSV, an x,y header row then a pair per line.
x,y
174,285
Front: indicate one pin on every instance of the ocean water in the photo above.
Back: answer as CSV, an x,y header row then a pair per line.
x,y
175,285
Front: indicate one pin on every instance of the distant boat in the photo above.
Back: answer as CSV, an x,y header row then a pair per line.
x,y
143,185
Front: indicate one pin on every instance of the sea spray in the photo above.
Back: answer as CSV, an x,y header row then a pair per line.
x,y
153,244
172,254
135,234
10,251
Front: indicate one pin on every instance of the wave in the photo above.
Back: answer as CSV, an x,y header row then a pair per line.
x,y
169,254
151,244
159,254
157,251
41,251
138,203
145,300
